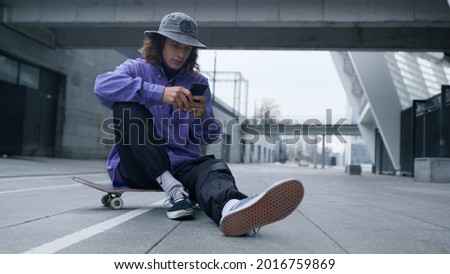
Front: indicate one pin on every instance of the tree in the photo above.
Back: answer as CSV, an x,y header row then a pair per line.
x,y
269,111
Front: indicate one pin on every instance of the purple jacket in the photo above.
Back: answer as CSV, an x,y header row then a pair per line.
x,y
138,81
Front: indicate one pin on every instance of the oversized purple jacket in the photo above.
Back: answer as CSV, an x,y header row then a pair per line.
x,y
138,81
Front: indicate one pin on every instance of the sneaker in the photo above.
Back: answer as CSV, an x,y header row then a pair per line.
x,y
179,204
275,203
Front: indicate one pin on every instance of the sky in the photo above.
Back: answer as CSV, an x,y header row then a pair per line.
x,y
303,83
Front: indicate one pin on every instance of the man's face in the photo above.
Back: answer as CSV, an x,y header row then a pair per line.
x,y
175,54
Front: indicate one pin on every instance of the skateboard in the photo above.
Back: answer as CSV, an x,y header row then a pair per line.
x,y
112,198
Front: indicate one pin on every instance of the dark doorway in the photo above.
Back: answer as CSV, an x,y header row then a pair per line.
x,y
28,109
383,164
12,105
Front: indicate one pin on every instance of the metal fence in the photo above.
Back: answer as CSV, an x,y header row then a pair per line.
x,y
425,130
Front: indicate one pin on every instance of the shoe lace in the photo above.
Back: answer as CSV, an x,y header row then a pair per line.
x,y
175,195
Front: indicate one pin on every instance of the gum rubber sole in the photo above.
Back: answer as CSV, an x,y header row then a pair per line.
x,y
276,203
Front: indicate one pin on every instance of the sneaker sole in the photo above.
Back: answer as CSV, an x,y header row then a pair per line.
x,y
180,214
276,203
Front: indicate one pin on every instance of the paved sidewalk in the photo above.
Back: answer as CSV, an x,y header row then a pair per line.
x,y
339,214
17,166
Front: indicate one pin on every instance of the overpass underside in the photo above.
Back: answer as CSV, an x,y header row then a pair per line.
x,y
420,25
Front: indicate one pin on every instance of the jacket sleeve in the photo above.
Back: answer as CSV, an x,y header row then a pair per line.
x,y
125,85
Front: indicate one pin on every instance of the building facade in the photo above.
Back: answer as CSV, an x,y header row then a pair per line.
x,y
380,86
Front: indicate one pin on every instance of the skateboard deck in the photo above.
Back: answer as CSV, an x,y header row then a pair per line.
x,y
112,198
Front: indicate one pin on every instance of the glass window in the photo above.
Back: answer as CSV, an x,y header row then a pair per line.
x,y
8,69
447,73
429,76
29,76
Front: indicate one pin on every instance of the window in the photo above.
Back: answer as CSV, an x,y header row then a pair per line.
x,y
8,69
19,73
429,76
29,76
447,73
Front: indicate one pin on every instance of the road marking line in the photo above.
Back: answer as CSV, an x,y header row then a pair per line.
x,y
36,188
47,187
43,177
76,237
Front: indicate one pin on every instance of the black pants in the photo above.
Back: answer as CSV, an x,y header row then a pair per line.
x,y
143,158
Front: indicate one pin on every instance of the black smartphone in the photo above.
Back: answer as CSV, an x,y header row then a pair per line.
x,y
198,88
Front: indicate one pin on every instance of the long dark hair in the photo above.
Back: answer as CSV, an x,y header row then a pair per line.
x,y
152,52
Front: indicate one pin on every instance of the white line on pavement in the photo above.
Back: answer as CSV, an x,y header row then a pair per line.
x,y
47,187
76,237
36,188
41,177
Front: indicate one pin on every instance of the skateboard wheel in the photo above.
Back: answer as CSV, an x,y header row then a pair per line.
x,y
106,201
116,203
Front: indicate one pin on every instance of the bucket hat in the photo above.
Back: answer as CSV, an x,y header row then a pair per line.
x,y
179,27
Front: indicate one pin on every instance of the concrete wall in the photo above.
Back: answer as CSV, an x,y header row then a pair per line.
x,y
83,112
229,143
80,113
255,147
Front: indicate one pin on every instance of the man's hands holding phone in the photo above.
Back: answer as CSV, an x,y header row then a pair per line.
x,y
183,99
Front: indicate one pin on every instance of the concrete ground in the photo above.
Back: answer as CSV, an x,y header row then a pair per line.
x,y
44,211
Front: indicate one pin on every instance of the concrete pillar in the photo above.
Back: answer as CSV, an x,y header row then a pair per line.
x,y
373,73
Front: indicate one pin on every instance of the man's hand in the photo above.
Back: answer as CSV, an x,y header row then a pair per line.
x,y
179,97
198,106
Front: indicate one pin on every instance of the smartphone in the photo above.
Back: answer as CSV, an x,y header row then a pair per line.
x,y
198,89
